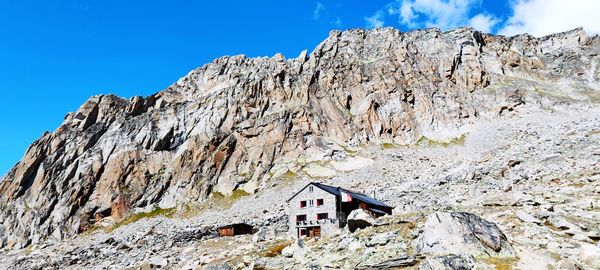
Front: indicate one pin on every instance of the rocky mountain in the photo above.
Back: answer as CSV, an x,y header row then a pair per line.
x,y
241,125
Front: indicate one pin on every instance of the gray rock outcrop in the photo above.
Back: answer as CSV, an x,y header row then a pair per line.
x,y
242,123
461,233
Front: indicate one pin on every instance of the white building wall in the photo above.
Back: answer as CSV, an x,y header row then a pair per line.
x,y
329,206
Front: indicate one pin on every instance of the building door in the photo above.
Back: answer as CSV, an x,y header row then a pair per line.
x,y
227,231
314,231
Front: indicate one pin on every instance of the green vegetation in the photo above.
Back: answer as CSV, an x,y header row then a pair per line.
x,y
221,200
426,142
348,150
238,194
289,175
388,145
168,212
235,195
501,263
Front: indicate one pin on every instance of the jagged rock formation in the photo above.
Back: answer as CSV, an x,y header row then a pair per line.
x,y
240,123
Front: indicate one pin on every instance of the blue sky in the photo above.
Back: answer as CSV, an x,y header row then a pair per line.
x,y
55,54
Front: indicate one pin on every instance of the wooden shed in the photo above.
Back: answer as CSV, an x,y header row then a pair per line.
x,y
235,229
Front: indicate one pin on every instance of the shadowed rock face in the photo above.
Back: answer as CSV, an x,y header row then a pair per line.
x,y
234,123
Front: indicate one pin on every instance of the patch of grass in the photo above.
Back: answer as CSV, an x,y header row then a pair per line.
x,y
501,263
426,142
388,146
221,200
237,194
275,249
217,195
289,175
168,212
348,150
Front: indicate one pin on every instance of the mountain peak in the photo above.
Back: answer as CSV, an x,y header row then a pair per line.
x,y
240,124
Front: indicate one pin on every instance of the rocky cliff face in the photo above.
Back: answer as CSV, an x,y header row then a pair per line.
x,y
243,123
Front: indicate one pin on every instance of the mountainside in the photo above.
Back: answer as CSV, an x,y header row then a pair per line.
x,y
239,125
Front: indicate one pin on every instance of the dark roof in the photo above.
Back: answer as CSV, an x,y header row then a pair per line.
x,y
235,225
377,211
337,191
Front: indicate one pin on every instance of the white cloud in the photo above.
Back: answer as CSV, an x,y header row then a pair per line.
x,y
317,12
406,13
483,22
543,17
376,20
444,14
536,17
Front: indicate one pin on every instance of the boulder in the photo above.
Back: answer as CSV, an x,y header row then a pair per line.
x,y
393,263
351,243
381,239
590,255
260,236
352,163
559,223
158,261
360,219
355,246
318,171
463,234
452,262
288,252
297,250
526,217
224,266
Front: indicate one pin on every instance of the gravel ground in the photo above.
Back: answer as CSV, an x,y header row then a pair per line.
x,y
536,175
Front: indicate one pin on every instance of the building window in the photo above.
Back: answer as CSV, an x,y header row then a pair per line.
x,y
300,218
302,232
302,204
322,216
311,203
319,202
310,189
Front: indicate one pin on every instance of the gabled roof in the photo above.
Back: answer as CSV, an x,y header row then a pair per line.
x,y
337,191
